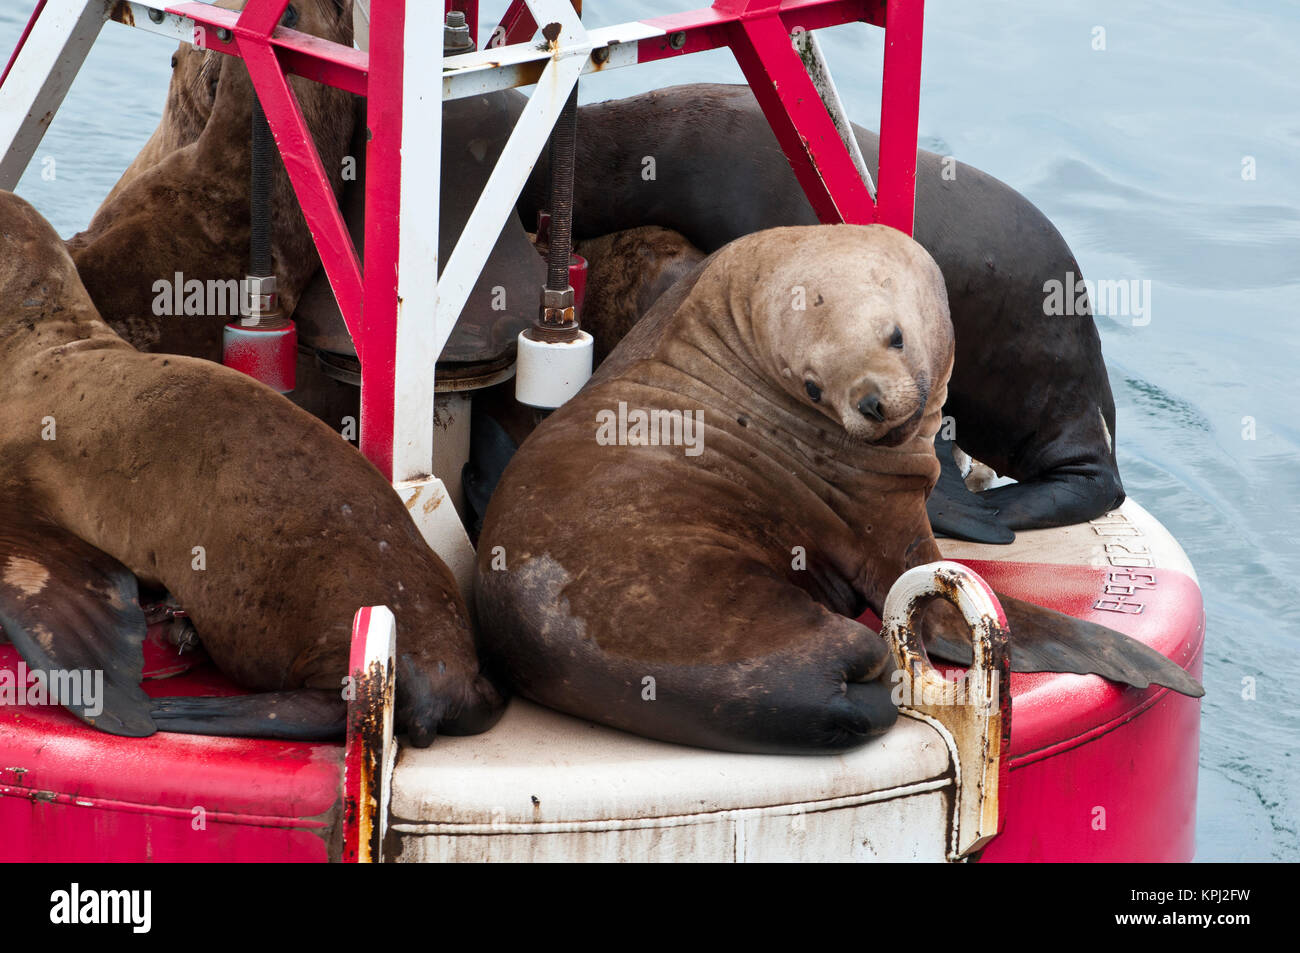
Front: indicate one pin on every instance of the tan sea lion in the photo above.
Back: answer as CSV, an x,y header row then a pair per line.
x,y
703,588
183,205
266,526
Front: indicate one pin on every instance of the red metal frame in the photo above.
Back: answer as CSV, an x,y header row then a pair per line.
x,y
900,97
71,793
470,9
774,71
377,341
517,24
757,31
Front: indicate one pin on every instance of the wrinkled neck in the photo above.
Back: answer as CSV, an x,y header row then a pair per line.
x,y
732,355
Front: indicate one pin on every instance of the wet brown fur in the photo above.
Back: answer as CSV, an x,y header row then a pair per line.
x,y
626,273
731,579
155,455
633,561
182,205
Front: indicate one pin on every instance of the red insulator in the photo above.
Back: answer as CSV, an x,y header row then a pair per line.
x,y
578,279
266,351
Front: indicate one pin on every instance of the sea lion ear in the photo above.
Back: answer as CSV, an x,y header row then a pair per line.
x,y
67,607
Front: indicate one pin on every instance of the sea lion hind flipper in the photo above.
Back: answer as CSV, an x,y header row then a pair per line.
x,y
73,613
956,512
429,706
305,714
1043,640
864,709
1058,499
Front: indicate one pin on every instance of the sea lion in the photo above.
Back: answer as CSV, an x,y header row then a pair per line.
x,y
703,588
1029,393
183,205
626,273
266,526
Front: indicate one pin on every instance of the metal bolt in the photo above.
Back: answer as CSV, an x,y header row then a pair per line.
x,y
223,34
557,300
600,55
677,40
156,15
455,34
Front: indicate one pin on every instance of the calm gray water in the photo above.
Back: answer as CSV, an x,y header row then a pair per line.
x,y
1136,151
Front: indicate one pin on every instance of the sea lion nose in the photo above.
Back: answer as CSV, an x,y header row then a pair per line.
x,y
869,406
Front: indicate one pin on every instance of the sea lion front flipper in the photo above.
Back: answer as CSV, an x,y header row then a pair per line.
x,y
1065,496
957,512
72,612
1043,640
305,714
490,450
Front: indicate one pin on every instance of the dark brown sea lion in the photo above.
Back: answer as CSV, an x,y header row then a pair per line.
x,y
1029,392
626,273
267,527
183,205
703,589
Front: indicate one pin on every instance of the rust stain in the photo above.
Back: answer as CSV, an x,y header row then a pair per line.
x,y
366,725
410,503
530,73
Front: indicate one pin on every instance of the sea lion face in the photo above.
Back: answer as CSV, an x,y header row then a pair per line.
x,y
196,71
860,332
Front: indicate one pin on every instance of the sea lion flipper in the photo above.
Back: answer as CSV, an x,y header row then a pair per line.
x,y
957,512
1043,640
1046,641
1056,499
72,612
302,715
490,451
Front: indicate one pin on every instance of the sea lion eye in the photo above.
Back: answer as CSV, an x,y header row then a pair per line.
x,y
813,390
173,61
896,339
290,17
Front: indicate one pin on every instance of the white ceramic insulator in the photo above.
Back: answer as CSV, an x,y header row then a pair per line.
x,y
548,374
